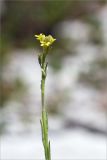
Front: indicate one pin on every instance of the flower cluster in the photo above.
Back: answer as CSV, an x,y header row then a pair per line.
x,y
45,41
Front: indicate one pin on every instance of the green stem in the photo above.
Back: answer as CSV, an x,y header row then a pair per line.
x,y
43,93
44,118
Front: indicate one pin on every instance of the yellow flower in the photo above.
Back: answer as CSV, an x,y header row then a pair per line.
x,y
45,41
40,37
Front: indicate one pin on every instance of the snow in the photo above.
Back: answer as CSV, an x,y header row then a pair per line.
x,y
73,29
65,145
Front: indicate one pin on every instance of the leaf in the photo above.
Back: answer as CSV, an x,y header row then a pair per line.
x,y
40,59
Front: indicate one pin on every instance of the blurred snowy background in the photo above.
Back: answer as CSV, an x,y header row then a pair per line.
x,y
76,86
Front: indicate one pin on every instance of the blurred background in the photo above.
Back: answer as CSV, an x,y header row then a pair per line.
x,y
76,86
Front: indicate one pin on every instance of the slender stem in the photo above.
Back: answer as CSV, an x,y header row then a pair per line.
x,y
43,92
43,77
44,118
